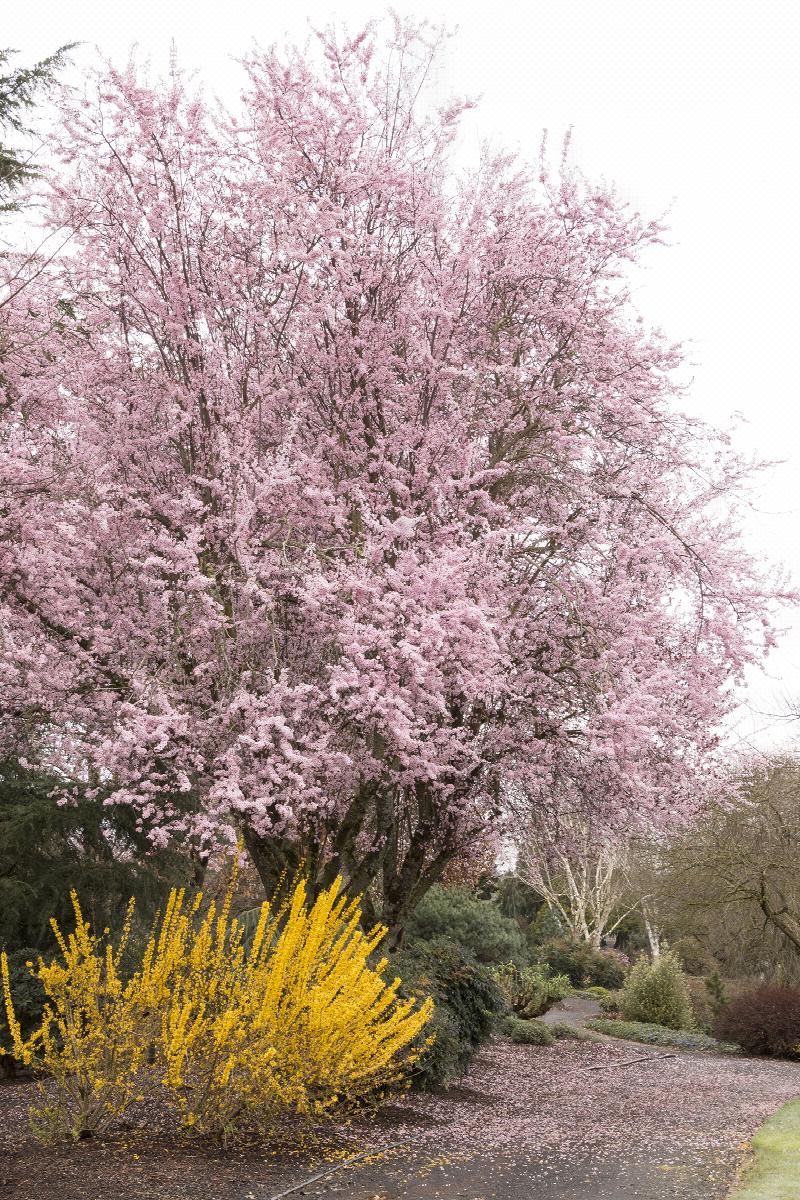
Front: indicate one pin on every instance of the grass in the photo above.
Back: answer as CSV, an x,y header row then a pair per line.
x,y
659,1035
774,1173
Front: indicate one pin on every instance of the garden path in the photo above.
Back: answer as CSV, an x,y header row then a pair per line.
x,y
572,1010
569,1122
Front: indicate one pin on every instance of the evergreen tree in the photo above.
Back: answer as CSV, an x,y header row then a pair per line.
x,y
19,89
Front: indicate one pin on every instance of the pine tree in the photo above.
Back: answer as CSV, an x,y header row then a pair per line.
x,y
20,88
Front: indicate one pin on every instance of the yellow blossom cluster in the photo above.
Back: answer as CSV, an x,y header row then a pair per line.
x,y
232,1031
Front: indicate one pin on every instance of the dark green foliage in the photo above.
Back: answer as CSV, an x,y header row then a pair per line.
x,y
468,1004
531,991
19,89
527,1033
765,1020
660,1035
631,935
582,964
478,925
54,839
545,926
515,898
716,996
28,996
656,993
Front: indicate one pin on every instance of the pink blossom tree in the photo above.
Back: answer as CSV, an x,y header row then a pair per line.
x,y
345,501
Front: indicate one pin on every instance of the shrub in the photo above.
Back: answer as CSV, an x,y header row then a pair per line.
x,y
611,1002
528,1033
531,991
479,926
583,964
562,1031
296,1024
467,1003
657,993
544,927
716,996
660,1035
765,1020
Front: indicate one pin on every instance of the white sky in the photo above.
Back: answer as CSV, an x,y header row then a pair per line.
x,y
691,107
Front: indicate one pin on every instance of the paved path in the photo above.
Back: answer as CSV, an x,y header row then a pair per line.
x,y
574,1010
570,1122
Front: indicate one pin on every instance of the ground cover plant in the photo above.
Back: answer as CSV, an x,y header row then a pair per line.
x,y
528,1033
563,1031
299,1021
660,1035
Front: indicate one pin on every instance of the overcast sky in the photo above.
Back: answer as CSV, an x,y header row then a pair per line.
x,y
687,107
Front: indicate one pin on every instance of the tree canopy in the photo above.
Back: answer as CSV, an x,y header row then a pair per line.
x,y
345,499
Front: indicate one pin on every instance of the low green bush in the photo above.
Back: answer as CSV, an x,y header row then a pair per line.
x,y
479,926
529,992
468,1005
563,1031
611,1002
582,964
656,993
660,1035
527,1033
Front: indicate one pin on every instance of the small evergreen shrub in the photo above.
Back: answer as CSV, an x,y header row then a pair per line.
x,y
716,996
531,991
583,964
467,1003
528,1033
765,1021
656,993
545,926
456,914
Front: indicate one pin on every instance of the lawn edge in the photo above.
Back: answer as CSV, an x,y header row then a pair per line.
x,y
772,1171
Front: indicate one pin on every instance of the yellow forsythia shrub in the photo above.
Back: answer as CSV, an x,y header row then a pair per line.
x,y
92,1038
295,1022
298,1022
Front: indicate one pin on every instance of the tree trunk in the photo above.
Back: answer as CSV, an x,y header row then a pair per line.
x,y
653,936
781,918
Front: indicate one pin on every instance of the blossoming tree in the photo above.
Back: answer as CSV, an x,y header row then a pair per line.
x,y
345,501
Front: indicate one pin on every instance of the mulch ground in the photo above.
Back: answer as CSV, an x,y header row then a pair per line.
x,y
566,1122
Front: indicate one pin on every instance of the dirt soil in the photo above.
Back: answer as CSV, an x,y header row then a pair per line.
x,y
565,1122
